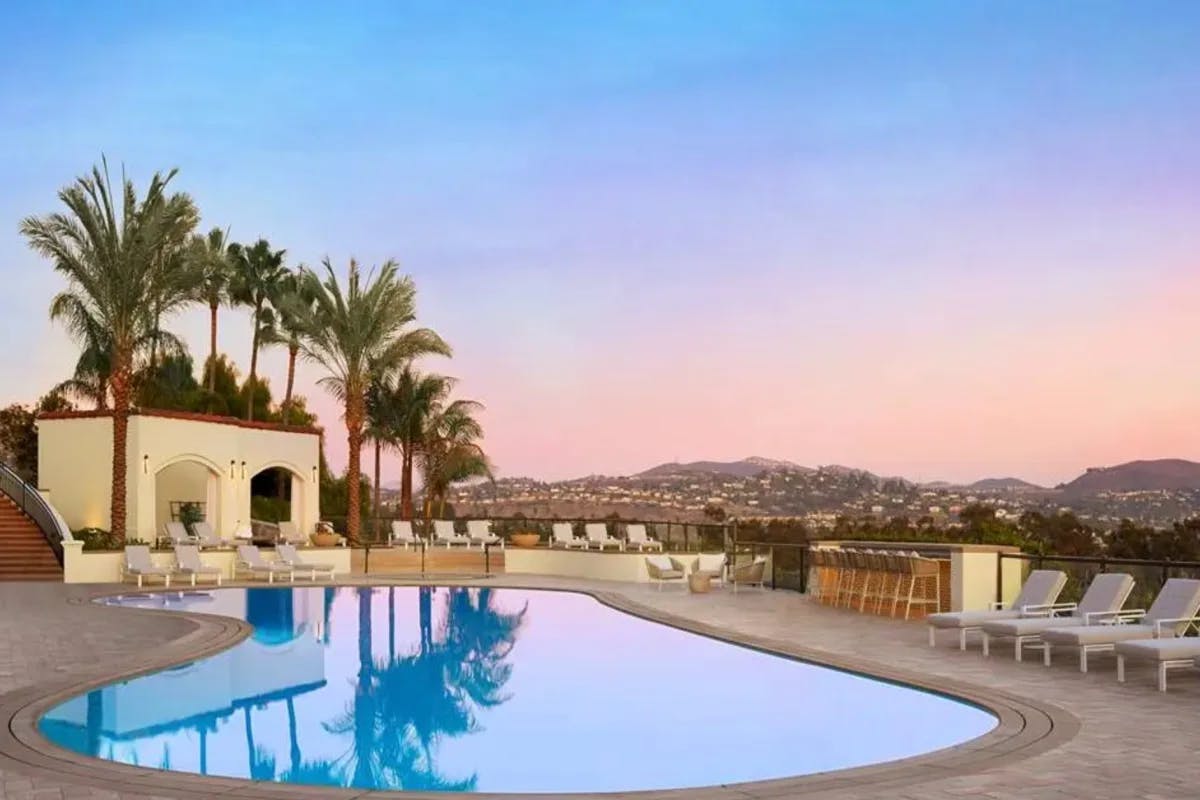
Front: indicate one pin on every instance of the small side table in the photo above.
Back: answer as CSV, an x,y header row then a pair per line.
x,y
699,582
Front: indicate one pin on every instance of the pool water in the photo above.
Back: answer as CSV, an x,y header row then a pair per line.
x,y
496,690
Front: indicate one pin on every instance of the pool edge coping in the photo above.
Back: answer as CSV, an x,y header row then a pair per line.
x,y
1024,728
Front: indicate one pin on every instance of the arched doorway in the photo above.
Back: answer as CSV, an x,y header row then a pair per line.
x,y
186,490
277,495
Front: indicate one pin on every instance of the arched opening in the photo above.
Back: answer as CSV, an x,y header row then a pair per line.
x,y
276,495
186,491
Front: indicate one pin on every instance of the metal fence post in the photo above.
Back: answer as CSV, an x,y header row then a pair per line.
x,y
999,578
771,555
804,570
487,559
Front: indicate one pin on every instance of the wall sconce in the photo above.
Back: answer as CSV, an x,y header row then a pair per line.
x,y
243,470
314,474
231,465
145,465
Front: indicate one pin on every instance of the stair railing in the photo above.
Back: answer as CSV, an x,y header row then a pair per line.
x,y
30,501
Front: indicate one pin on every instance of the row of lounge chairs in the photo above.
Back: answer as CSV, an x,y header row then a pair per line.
x,y
137,565
1097,623
203,535
479,532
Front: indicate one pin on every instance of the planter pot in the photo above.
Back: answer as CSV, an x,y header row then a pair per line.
x,y
525,539
325,539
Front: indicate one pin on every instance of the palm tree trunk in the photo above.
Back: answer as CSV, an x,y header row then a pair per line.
x,y
253,379
354,425
406,476
378,449
293,737
293,350
120,388
391,625
212,347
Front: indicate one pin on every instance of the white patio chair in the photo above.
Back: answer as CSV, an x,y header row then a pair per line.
x,y
176,533
137,564
250,562
597,534
402,534
479,531
712,565
635,534
289,532
563,534
663,569
206,536
288,555
443,531
188,565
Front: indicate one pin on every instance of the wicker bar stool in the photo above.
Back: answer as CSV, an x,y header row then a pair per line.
x,y
923,570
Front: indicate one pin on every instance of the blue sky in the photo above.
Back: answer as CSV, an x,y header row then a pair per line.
x,y
901,231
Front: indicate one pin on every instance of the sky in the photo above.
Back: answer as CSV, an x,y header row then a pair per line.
x,y
945,240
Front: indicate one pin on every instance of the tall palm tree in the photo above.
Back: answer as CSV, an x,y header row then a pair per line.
x,y
258,273
417,398
292,300
450,451
354,332
110,249
210,255
89,382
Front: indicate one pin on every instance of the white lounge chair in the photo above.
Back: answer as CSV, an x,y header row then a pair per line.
x,y
137,564
176,533
402,534
710,564
635,534
1172,612
243,533
443,531
206,536
250,562
597,534
479,531
663,569
1104,596
290,533
563,534
288,555
1041,589
187,559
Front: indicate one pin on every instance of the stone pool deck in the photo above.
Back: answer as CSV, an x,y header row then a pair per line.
x,y
1062,734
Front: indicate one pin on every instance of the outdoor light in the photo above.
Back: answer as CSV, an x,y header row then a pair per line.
x,y
231,465
314,474
243,470
145,465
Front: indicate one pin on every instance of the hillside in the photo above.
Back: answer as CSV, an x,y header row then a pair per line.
x,y
746,468
1134,476
1002,485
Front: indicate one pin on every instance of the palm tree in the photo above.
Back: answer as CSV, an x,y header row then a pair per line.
x,y
380,428
292,300
258,272
111,249
417,398
89,382
450,451
210,255
355,332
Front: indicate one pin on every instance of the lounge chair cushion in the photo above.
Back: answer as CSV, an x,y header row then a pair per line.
x,y
661,563
969,619
1028,626
1097,634
1161,649
1043,586
711,563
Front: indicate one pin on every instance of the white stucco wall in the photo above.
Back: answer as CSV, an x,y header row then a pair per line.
x,y
75,457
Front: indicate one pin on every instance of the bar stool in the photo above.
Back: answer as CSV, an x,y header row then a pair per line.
x,y
923,570
847,576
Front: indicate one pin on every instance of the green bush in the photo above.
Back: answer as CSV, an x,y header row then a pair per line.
x,y
97,539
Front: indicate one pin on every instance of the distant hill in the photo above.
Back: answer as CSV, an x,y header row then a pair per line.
x,y
1164,473
1002,484
746,468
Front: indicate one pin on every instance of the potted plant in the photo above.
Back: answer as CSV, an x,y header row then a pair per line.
x,y
525,539
324,535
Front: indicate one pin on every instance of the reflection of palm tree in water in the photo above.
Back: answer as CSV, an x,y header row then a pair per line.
x,y
262,763
403,706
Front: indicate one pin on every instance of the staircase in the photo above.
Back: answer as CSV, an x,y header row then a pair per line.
x,y
24,553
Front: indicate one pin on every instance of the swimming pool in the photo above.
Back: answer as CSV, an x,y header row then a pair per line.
x,y
500,690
